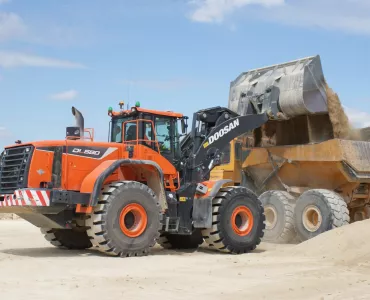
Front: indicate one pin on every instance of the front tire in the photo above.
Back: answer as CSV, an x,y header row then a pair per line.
x,y
126,221
237,221
318,211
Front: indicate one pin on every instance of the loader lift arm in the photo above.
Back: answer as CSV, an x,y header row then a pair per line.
x,y
212,130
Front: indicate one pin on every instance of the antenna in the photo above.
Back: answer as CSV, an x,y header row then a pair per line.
x,y
128,92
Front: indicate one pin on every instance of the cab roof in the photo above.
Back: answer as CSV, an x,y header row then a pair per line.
x,y
148,111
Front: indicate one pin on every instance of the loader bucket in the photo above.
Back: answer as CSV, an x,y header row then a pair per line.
x,y
301,84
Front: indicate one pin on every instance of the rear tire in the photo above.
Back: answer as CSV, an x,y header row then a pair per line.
x,y
72,239
237,221
126,220
177,241
279,212
318,211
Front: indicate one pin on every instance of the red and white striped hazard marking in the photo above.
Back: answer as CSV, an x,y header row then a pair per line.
x,y
27,198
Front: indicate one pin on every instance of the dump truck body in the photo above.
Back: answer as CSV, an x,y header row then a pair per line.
x,y
336,164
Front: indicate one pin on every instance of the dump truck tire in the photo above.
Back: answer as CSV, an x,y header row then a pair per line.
x,y
318,211
177,241
237,221
279,213
67,238
126,221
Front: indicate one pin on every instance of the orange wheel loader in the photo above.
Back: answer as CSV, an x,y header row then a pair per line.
x,y
149,184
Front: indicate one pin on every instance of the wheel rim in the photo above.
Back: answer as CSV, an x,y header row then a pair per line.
x,y
271,217
133,220
312,218
242,220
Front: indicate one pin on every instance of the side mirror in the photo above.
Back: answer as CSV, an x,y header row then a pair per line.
x,y
184,126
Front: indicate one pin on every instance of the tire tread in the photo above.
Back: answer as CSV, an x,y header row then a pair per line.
x,y
213,236
339,215
96,224
287,200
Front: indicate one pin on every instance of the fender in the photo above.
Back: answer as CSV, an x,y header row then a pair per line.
x,y
216,187
93,182
202,206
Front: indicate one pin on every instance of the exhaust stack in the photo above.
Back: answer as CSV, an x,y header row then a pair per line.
x,y
78,130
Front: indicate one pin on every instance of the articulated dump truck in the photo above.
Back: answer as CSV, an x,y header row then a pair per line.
x,y
308,176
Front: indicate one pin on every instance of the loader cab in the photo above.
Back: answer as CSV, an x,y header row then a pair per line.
x,y
157,130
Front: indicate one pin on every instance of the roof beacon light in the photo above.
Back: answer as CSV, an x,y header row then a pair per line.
x,y
137,104
121,104
110,110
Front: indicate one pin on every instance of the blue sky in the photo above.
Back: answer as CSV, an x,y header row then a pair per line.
x,y
175,55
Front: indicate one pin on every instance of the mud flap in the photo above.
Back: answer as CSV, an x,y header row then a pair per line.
x,y
202,212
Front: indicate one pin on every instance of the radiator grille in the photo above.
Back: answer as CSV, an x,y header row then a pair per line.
x,y
14,165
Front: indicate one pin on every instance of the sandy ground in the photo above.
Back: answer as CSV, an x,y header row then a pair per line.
x,y
31,269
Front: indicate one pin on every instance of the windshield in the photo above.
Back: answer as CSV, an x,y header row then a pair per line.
x,y
116,129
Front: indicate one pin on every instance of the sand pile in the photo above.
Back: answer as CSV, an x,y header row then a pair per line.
x,y
339,120
338,117
347,245
8,216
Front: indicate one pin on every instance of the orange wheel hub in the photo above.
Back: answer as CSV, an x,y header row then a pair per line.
x,y
133,220
242,220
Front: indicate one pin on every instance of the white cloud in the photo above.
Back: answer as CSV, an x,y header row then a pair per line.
x,y
350,16
4,132
66,95
11,26
358,118
215,10
17,59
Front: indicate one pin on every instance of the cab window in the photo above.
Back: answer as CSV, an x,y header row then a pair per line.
x,y
116,131
148,131
130,131
148,135
163,133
